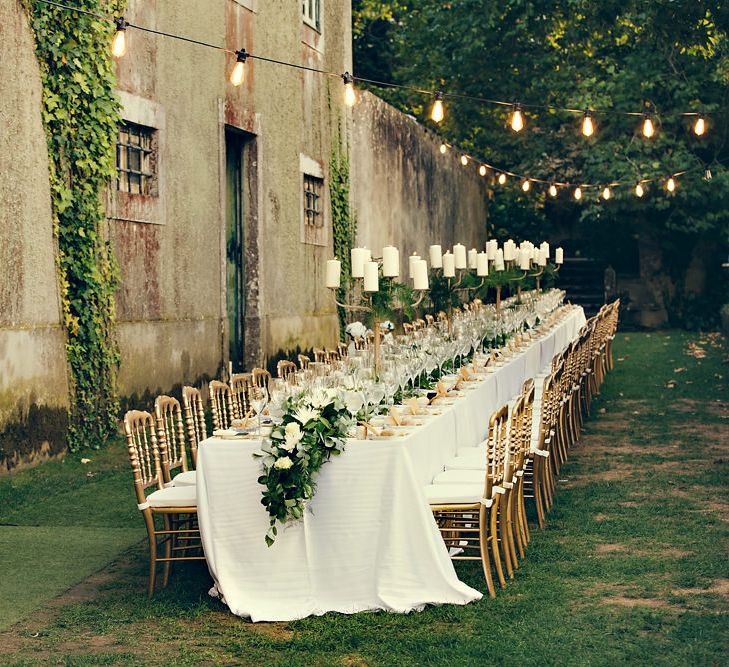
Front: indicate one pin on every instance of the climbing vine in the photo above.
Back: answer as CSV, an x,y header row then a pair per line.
x,y
344,223
81,119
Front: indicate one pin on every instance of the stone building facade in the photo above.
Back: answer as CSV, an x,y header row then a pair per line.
x,y
220,216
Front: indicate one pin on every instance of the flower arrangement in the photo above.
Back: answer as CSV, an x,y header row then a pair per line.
x,y
313,429
356,330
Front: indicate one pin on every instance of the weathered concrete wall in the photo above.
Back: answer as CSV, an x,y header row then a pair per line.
x,y
405,192
33,387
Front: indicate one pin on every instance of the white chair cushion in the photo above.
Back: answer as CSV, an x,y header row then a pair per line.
x,y
173,496
461,477
451,494
468,460
188,478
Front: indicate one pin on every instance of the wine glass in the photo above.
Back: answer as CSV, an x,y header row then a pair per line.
x,y
259,400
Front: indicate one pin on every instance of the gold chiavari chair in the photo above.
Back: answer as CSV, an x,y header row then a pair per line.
x,y
407,327
320,355
260,377
240,393
343,350
194,407
332,356
221,404
467,513
429,319
170,502
285,369
171,439
520,517
304,362
506,506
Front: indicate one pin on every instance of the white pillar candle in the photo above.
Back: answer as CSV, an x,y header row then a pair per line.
x,y
509,250
499,260
525,258
542,257
411,262
482,264
420,274
371,280
358,259
472,258
545,248
459,255
334,270
558,256
491,247
449,265
436,257
390,262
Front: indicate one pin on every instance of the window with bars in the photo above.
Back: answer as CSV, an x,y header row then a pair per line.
x,y
135,159
311,12
313,187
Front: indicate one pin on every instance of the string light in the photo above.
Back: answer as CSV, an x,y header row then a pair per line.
x,y
437,113
648,129
639,191
671,184
699,126
349,95
482,170
606,194
578,193
464,160
588,128
443,149
517,120
119,43
526,185
552,190
237,76
502,179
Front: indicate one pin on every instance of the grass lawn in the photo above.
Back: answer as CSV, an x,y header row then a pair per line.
x,y
632,567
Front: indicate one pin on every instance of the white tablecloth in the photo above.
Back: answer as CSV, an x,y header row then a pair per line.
x,y
369,541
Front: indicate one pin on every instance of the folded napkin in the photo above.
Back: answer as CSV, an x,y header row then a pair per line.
x,y
395,415
465,374
370,429
413,406
441,391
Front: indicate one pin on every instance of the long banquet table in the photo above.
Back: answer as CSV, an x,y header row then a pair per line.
x,y
368,541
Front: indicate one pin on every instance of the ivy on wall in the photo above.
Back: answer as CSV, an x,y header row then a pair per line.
x,y
344,224
81,119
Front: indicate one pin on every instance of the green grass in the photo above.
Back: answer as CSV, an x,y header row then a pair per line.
x,y
632,567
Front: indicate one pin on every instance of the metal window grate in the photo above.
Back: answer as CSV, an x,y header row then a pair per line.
x,y
311,12
134,163
313,187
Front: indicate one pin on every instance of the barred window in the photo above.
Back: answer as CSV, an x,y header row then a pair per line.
x,y
311,12
313,187
135,159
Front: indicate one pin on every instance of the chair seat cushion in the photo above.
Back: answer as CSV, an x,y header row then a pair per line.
x,y
173,496
461,476
452,494
468,460
188,478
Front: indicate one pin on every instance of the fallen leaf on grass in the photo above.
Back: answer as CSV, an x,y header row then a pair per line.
x,y
679,370
671,384
84,461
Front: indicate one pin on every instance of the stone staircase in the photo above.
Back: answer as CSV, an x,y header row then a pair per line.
x,y
582,279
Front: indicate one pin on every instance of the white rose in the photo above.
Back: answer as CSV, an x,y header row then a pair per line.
x,y
292,430
283,463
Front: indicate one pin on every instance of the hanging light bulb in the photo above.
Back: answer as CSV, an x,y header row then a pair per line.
x,y
482,170
526,185
606,194
517,119
349,95
671,184
119,43
699,126
578,193
464,160
639,191
502,179
437,113
443,149
648,129
588,127
237,76
553,190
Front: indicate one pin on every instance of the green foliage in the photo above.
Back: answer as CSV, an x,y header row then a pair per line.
x,y
81,117
344,224
392,300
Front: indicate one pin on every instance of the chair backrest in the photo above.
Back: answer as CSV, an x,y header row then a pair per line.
x,y
407,327
221,404
320,355
429,319
192,401
496,450
343,350
143,452
516,435
170,435
285,368
260,377
527,421
240,388
304,362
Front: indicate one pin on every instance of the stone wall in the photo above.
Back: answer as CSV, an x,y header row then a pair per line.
x,y
33,385
405,191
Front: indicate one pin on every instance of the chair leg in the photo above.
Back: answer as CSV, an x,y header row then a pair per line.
x,y
149,520
521,509
169,543
504,528
483,522
494,541
539,490
512,529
